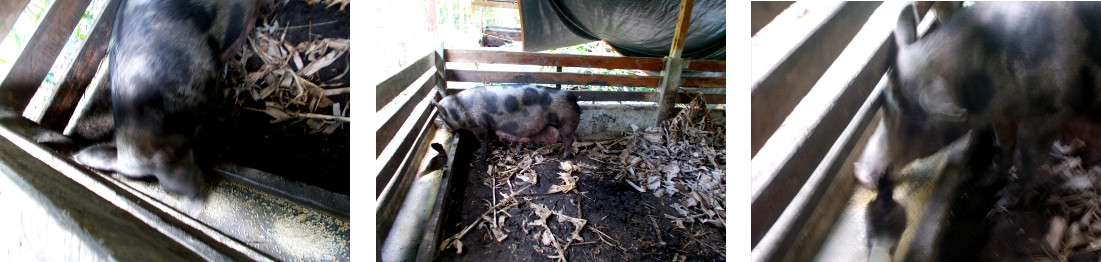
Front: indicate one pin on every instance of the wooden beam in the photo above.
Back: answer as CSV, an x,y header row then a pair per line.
x,y
392,87
763,12
390,127
545,59
631,96
393,154
706,65
84,68
60,182
38,56
684,19
780,90
826,191
550,78
566,60
496,4
9,11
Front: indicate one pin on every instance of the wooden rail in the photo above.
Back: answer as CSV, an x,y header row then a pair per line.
x,y
40,52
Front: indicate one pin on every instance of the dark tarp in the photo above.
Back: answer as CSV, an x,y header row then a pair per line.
x,y
634,28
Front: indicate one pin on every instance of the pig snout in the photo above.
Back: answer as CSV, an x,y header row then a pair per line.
x,y
886,221
515,113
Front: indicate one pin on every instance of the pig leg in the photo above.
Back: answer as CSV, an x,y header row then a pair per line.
x,y
567,143
483,141
1006,134
1035,143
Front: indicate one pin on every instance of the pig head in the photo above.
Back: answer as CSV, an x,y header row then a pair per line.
x,y
1022,69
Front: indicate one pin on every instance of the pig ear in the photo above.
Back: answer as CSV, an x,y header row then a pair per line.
x,y
443,111
937,99
906,29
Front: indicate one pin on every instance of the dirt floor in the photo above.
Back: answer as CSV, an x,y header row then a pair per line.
x,y
1059,221
242,128
292,148
613,219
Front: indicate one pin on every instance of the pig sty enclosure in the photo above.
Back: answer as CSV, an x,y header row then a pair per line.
x,y
275,154
815,103
632,190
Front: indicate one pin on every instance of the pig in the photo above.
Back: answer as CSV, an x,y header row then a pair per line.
x,y
515,113
165,56
1022,69
886,221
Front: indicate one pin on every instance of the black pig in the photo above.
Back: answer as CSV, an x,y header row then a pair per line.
x,y
516,113
164,59
1021,68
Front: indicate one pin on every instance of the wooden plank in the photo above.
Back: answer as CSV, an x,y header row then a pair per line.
x,y
545,59
763,12
574,79
40,52
180,228
495,4
440,59
706,65
394,162
684,19
586,61
550,78
390,88
783,167
822,198
703,82
99,228
9,11
785,85
388,129
84,68
630,96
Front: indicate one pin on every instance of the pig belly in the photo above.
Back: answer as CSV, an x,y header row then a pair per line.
x,y
549,135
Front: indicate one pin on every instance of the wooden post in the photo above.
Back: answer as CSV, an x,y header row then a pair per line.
x,y
441,71
670,74
559,70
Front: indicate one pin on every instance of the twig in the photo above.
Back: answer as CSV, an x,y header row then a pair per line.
x,y
451,240
307,25
655,222
320,116
336,91
601,235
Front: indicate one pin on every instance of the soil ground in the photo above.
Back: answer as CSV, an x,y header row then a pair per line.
x,y
981,232
634,224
